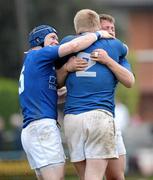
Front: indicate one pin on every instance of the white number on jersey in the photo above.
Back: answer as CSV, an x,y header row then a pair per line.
x,y
85,73
21,81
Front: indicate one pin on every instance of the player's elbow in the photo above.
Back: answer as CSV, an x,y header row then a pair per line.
x,y
130,82
129,85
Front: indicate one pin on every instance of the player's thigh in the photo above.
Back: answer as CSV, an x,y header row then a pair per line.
x,y
55,172
95,169
116,168
101,136
80,168
42,143
74,135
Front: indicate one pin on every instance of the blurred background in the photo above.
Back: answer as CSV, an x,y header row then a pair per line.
x,y
134,26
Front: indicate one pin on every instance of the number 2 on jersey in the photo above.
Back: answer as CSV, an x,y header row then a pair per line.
x,y
85,73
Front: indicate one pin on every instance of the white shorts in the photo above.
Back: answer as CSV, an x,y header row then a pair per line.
x,y
42,143
90,135
120,147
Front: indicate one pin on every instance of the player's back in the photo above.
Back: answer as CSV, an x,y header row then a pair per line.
x,y
94,87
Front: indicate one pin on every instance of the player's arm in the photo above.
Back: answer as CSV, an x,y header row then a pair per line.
x,y
81,42
122,74
73,64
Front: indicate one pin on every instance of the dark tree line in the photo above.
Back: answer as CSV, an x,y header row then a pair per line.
x,y
18,17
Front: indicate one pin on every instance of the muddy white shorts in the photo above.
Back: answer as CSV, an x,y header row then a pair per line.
x,y
120,147
90,135
42,143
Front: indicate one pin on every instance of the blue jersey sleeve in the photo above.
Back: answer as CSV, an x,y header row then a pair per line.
x,y
122,48
46,54
124,62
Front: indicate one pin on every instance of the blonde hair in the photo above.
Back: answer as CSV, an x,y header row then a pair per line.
x,y
107,17
86,20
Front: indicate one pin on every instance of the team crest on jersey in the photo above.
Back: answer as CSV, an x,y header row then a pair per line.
x,y
52,83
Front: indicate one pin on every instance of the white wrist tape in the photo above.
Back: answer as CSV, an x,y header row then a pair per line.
x,y
99,34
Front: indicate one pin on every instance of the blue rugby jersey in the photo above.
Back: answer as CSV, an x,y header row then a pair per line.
x,y
95,87
37,85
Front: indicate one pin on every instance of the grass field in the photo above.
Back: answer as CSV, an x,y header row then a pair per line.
x,y
68,178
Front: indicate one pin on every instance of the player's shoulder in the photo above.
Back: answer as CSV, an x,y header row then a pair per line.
x,y
67,38
126,47
119,43
120,46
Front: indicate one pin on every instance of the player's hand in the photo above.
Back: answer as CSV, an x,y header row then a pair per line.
x,y
105,34
75,64
100,55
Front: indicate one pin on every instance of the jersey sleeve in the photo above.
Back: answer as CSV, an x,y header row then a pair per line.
x,y
61,61
127,48
47,54
124,51
124,62
122,48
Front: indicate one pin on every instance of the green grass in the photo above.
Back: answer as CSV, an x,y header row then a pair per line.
x,y
127,178
71,178
67,178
